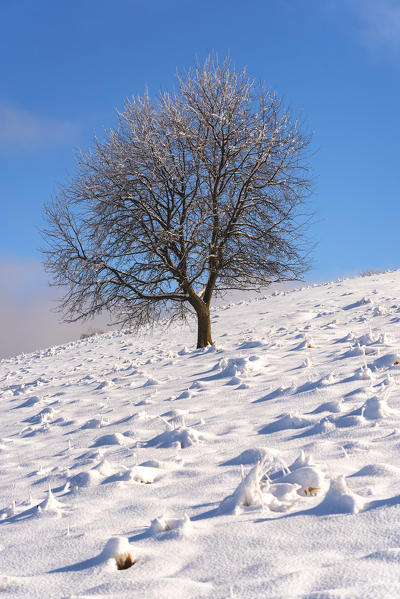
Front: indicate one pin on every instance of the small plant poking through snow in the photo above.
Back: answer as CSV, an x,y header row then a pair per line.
x,y
163,524
5,582
370,272
118,552
303,478
51,505
255,491
364,374
91,333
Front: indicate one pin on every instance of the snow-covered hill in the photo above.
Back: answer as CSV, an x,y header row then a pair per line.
x,y
265,467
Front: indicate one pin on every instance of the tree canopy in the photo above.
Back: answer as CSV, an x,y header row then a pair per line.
x,y
196,192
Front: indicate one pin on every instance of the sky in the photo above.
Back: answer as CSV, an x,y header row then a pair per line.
x,y
67,66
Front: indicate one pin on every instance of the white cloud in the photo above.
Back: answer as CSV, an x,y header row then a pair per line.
x,y
21,129
377,22
380,23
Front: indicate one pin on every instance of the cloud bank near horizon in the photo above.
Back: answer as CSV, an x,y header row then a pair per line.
x,y
21,129
28,320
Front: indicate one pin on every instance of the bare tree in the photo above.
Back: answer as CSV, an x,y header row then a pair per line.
x,y
195,193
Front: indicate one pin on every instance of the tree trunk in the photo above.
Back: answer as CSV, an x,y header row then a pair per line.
x,y
203,326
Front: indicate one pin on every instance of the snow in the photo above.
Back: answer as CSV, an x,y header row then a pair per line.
x,y
265,466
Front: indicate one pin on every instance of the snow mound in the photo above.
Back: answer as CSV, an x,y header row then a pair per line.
x,y
364,374
151,382
379,470
8,512
107,384
178,413
365,301
334,406
311,480
46,415
111,439
354,352
304,459
184,351
197,385
286,493
248,456
95,423
118,553
306,344
104,468
142,474
350,420
181,437
31,401
255,491
286,422
186,394
386,361
376,408
367,339
340,499
251,344
154,464
236,367
182,526
85,479
51,505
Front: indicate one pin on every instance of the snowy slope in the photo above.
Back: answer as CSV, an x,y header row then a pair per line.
x,y
265,467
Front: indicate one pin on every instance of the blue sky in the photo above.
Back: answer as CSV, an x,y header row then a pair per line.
x,y
66,66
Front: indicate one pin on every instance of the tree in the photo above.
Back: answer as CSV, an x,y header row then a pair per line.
x,y
195,193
